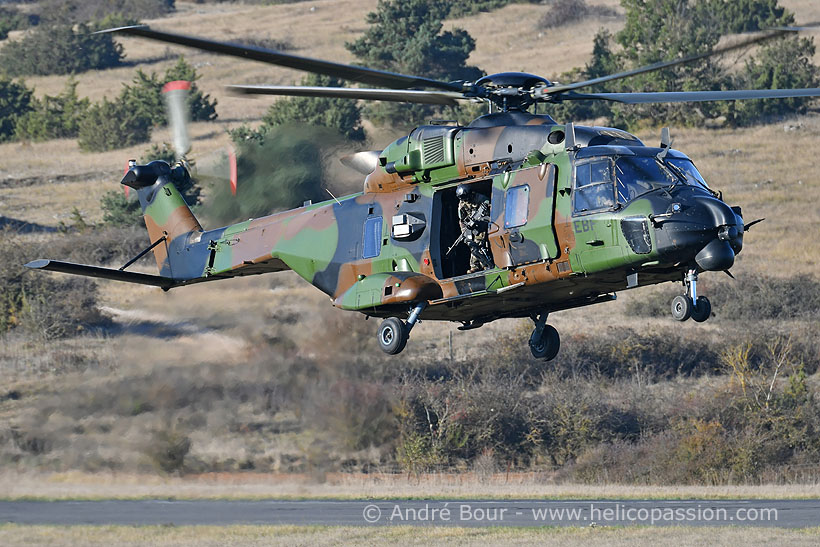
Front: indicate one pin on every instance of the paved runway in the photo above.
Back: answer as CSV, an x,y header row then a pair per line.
x,y
779,513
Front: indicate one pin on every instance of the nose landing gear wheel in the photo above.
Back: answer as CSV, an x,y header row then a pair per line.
x,y
702,310
392,335
547,345
681,308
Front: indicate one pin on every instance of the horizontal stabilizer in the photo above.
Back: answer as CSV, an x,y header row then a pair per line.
x,y
105,273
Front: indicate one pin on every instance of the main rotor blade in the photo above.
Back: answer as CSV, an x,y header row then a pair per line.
x,y
397,95
337,70
769,35
694,96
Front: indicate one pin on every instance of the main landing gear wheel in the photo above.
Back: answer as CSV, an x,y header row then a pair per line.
x,y
702,310
547,345
681,308
392,335
544,340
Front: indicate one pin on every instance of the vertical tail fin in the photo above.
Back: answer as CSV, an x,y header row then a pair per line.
x,y
165,211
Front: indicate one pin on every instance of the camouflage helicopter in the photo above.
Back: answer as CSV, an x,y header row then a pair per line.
x,y
576,213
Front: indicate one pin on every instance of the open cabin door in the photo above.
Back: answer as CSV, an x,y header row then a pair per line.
x,y
523,216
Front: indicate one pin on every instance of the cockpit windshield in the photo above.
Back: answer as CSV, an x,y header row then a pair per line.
x,y
637,175
633,176
687,171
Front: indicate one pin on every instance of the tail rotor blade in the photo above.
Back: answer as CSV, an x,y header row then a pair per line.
x,y
175,94
232,164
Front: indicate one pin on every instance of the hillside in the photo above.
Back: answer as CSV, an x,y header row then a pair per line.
x,y
263,375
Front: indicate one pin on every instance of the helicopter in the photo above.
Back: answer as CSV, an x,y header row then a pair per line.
x,y
577,213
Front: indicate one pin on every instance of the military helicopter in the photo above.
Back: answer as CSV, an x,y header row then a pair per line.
x,y
577,213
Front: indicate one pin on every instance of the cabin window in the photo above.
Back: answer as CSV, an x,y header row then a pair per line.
x,y
372,237
594,189
516,206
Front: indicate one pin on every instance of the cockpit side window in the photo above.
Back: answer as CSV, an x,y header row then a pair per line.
x,y
593,186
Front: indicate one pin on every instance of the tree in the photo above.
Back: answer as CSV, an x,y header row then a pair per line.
x,y
278,168
658,30
121,210
144,95
54,117
343,115
603,62
406,37
83,10
12,19
782,65
15,101
733,16
111,125
60,49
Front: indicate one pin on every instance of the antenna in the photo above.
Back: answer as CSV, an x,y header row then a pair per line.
x,y
666,143
666,140
569,139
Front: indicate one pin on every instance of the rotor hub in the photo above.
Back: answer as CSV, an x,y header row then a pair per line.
x,y
509,90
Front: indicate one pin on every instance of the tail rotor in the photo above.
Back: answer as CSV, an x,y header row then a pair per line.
x,y
179,117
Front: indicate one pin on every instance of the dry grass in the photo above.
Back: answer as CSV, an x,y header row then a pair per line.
x,y
316,28
510,39
225,323
11,534
769,171
81,485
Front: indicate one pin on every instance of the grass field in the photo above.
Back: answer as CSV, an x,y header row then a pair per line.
x,y
115,536
222,329
516,485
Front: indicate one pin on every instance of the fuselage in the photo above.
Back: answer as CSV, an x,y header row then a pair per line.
x,y
572,223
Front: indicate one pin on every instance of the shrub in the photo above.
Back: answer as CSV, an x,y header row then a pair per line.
x,y
168,449
782,65
562,12
665,29
359,413
746,298
60,49
83,11
157,151
15,102
99,245
12,19
53,117
416,46
111,125
121,210
343,115
43,305
277,44
144,96
278,168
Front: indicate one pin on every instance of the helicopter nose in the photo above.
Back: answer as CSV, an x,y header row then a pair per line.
x,y
701,228
725,225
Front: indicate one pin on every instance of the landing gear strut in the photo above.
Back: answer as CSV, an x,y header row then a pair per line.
x,y
393,333
544,341
690,304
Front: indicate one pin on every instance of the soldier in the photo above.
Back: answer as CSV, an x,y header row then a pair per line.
x,y
474,219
